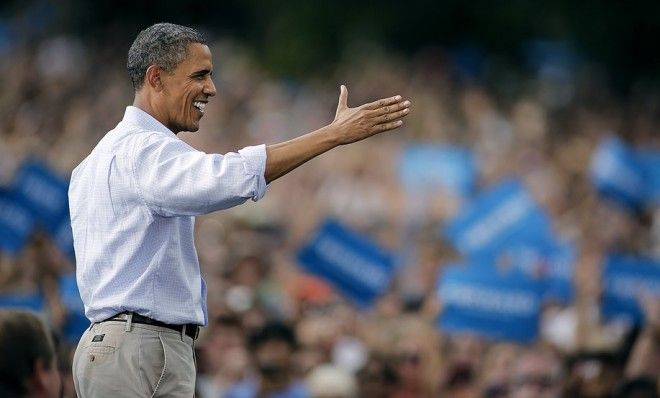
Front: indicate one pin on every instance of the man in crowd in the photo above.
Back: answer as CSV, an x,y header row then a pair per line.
x,y
133,201
28,365
272,347
223,358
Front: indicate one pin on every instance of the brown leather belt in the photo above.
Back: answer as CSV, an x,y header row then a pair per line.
x,y
189,329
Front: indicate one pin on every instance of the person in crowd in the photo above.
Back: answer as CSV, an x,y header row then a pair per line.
x,y
223,357
273,347
593,374
641,387
376,378
416,359
28,361
330,381
644,361
537,373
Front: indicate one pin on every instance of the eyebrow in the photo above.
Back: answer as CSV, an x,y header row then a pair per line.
x,y
202,72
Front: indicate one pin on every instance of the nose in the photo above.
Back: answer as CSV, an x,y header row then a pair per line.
x,y
209,88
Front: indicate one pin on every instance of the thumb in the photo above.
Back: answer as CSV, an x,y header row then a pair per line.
x,y
343,98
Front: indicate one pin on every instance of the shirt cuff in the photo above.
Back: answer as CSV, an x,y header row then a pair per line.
x,y
255,163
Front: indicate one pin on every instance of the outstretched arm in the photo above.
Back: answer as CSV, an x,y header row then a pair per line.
x,y
350,125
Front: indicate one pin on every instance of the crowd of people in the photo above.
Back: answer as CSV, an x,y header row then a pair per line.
x,y
275,331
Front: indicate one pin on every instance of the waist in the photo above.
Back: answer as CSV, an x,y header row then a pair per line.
x,y
190,329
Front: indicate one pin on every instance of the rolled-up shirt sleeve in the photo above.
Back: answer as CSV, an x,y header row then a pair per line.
x,y
175,179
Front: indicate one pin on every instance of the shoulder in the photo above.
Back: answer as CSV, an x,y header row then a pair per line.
x,y
126,132
137,142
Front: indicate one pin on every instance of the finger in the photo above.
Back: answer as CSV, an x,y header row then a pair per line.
x,y
390,108
382,102
343,98
379,128
391,116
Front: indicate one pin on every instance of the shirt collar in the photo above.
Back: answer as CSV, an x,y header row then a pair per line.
x,y
140,118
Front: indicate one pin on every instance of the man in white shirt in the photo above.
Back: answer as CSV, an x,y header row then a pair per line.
x,y
133,201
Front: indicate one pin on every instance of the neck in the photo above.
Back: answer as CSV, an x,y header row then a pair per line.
x,y
146,103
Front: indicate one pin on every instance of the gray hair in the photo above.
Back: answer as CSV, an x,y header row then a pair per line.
x,y
162,44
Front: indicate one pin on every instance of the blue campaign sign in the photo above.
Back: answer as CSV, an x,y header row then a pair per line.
x,y
625,280
16,223
356,266
63,237
502,216
551,262
76,322
43,192
69,293
650,163
429,168
34,302
617,174
496,306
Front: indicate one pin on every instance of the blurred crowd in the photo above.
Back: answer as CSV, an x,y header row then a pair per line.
x,y
274,331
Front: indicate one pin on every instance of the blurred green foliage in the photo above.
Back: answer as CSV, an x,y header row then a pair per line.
x,y
299,37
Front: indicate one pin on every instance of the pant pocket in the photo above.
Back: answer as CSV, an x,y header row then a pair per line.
x,y
97,345
153,362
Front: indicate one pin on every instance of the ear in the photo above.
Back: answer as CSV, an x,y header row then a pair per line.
x,y
153,77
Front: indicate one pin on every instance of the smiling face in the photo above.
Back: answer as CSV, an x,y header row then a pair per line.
x,y
186,90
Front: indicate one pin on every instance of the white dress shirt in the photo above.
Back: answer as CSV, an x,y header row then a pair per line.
x,y
133,202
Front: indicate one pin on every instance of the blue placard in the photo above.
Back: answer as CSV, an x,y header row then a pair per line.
x,y
650,163
551,262
63,237
356,266
75,322
69,293
16,223
430,168
625,279
493,305
34,302
501,217
617,174
43,192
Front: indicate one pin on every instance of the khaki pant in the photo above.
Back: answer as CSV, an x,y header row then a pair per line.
x,y
145,361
